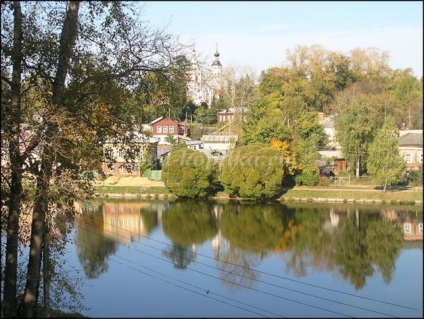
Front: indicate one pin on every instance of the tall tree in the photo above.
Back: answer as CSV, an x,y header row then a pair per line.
x,y
237,89
41,205
12,128
70,63
355,130
385,164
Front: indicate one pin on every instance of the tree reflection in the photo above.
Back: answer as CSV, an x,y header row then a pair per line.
x,y
252,228
384,241
181,256
93,247
188,223
235,267
304,237
247,233
365,241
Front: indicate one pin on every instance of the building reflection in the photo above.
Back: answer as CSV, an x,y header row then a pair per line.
x,y
412,226
125,223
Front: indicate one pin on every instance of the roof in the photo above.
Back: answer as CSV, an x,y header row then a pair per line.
x,y
194,142
411,139
155,121
225,112
220,138
404,132
135,138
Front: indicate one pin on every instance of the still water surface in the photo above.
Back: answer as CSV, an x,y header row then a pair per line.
x,y
202,259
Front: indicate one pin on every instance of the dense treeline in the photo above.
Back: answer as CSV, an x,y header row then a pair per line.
x,y
75,74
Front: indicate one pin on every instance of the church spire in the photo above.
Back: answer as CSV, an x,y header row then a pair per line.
x,y
216,65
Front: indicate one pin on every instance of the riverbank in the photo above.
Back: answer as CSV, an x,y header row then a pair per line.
x,y
370,194
143,188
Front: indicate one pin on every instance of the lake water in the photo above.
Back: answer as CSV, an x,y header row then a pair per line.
x,y
205,259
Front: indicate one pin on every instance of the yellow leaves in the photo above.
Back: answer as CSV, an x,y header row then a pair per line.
x,y
101,115
289,237
290,162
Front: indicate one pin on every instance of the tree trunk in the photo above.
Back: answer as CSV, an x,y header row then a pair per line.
x,y
9,303
67,41
37,232
46,275
358,167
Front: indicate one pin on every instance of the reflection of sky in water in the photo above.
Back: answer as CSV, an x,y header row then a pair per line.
x,y
142,282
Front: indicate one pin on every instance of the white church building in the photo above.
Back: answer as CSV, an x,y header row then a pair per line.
x,y
204,81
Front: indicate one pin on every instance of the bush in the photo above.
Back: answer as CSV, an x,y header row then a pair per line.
x,y
189,174
415,177
253,171
323,181
308,177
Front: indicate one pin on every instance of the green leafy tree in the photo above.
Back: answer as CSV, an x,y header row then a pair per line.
x,y
415,177
308,128
171,139
208,115
189,174
253,171
385,164
263,124
355,130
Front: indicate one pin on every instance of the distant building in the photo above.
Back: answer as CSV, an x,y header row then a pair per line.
x,y
204,83
328,123
163,127
411,148
123,158
225,115
218,146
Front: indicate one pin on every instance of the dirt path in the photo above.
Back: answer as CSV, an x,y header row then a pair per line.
x,y
130,181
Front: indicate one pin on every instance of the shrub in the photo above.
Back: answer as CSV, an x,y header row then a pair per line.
x,y
308,177
189,174
415,177
253,171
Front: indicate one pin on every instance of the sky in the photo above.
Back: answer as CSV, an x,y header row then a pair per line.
x,y
255,35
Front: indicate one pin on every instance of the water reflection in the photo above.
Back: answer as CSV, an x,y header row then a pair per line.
x,y
354,242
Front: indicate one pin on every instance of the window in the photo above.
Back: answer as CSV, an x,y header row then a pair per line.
x,y
407,228
121,169
112,169
408,158
159,129
110,153
421,158
171,130
165,129
420,227
120,153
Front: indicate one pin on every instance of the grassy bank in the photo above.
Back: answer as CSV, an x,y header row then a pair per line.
x,y
404,196
410,195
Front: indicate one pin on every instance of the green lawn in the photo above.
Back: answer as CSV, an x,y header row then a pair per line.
x,y
340,192
355,193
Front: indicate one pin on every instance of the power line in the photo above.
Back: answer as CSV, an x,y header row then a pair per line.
x,y
276,276
207,291
327,299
